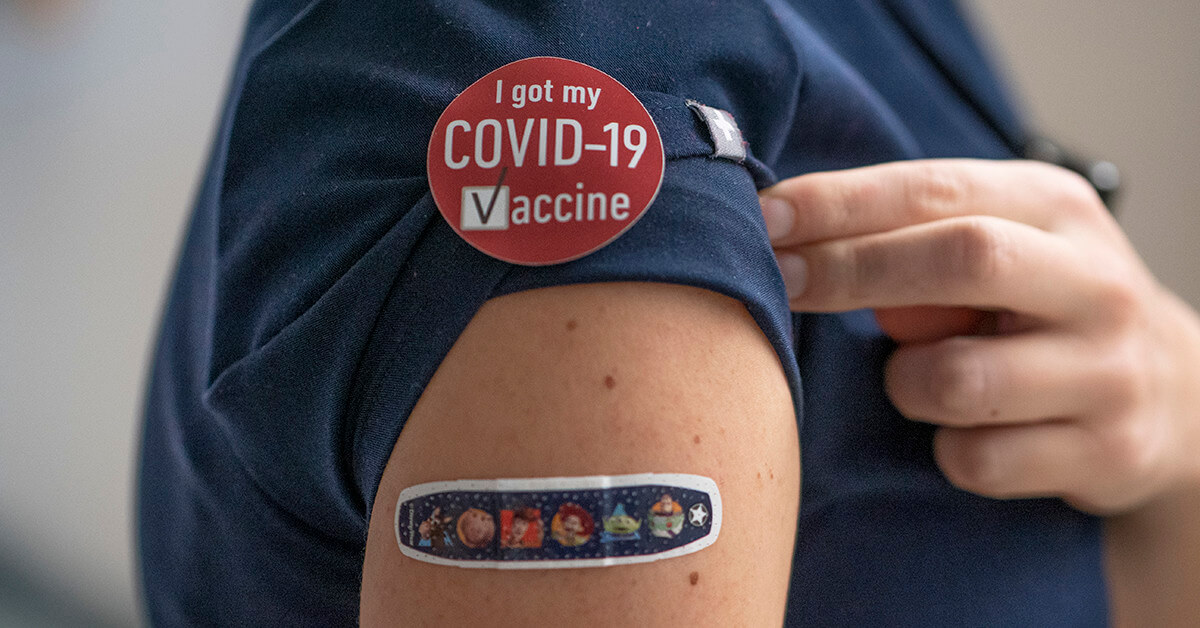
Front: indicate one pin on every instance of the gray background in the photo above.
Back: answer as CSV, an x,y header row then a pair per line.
x,y
106,111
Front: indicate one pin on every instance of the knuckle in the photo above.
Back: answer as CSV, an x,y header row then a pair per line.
x,y
1130,448
935,190
1124,376
979,253
864,190
1077,197
1118,297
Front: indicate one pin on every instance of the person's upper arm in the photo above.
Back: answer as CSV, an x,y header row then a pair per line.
x,y
667,351
602,379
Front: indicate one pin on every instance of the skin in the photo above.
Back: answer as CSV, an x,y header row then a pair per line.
x,y
1031,332
613,379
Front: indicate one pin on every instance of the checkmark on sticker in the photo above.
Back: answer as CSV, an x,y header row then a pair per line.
x,y
485,215
490,215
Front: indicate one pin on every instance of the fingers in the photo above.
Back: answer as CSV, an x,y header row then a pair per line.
x,y
1101,471
979,262
833,205
1044,412
967,233
1005,462
994,380
1028,328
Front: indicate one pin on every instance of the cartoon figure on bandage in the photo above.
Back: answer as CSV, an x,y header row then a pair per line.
x,y
435,531
619,526
572,526
666,517
521,528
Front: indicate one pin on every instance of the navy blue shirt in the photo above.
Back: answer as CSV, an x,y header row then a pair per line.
x,y
318,289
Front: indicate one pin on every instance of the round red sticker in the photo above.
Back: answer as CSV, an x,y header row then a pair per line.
x,y
544,160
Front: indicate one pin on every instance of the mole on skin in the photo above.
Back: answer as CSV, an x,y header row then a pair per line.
x,y
572,324
694,577
609,382
696,439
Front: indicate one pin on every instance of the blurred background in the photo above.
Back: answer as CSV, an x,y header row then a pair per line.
x,y
106,113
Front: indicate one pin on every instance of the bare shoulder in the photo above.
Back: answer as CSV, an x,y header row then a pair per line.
x,y
602,379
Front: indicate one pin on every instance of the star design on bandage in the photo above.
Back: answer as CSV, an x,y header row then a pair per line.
x,y
697,515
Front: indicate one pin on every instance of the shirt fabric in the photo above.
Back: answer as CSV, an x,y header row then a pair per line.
x,y
318,289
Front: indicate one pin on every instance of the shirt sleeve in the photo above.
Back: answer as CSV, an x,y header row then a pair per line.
x,y
340,287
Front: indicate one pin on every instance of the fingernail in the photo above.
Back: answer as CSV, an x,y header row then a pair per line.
x,y
795,273
778,215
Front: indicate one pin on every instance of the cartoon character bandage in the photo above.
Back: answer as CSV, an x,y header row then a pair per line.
x,y
550,523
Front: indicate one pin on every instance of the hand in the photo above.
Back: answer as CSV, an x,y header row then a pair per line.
x,y
1028,328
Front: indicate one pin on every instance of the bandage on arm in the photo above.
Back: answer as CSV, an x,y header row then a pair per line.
x,y
594,380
